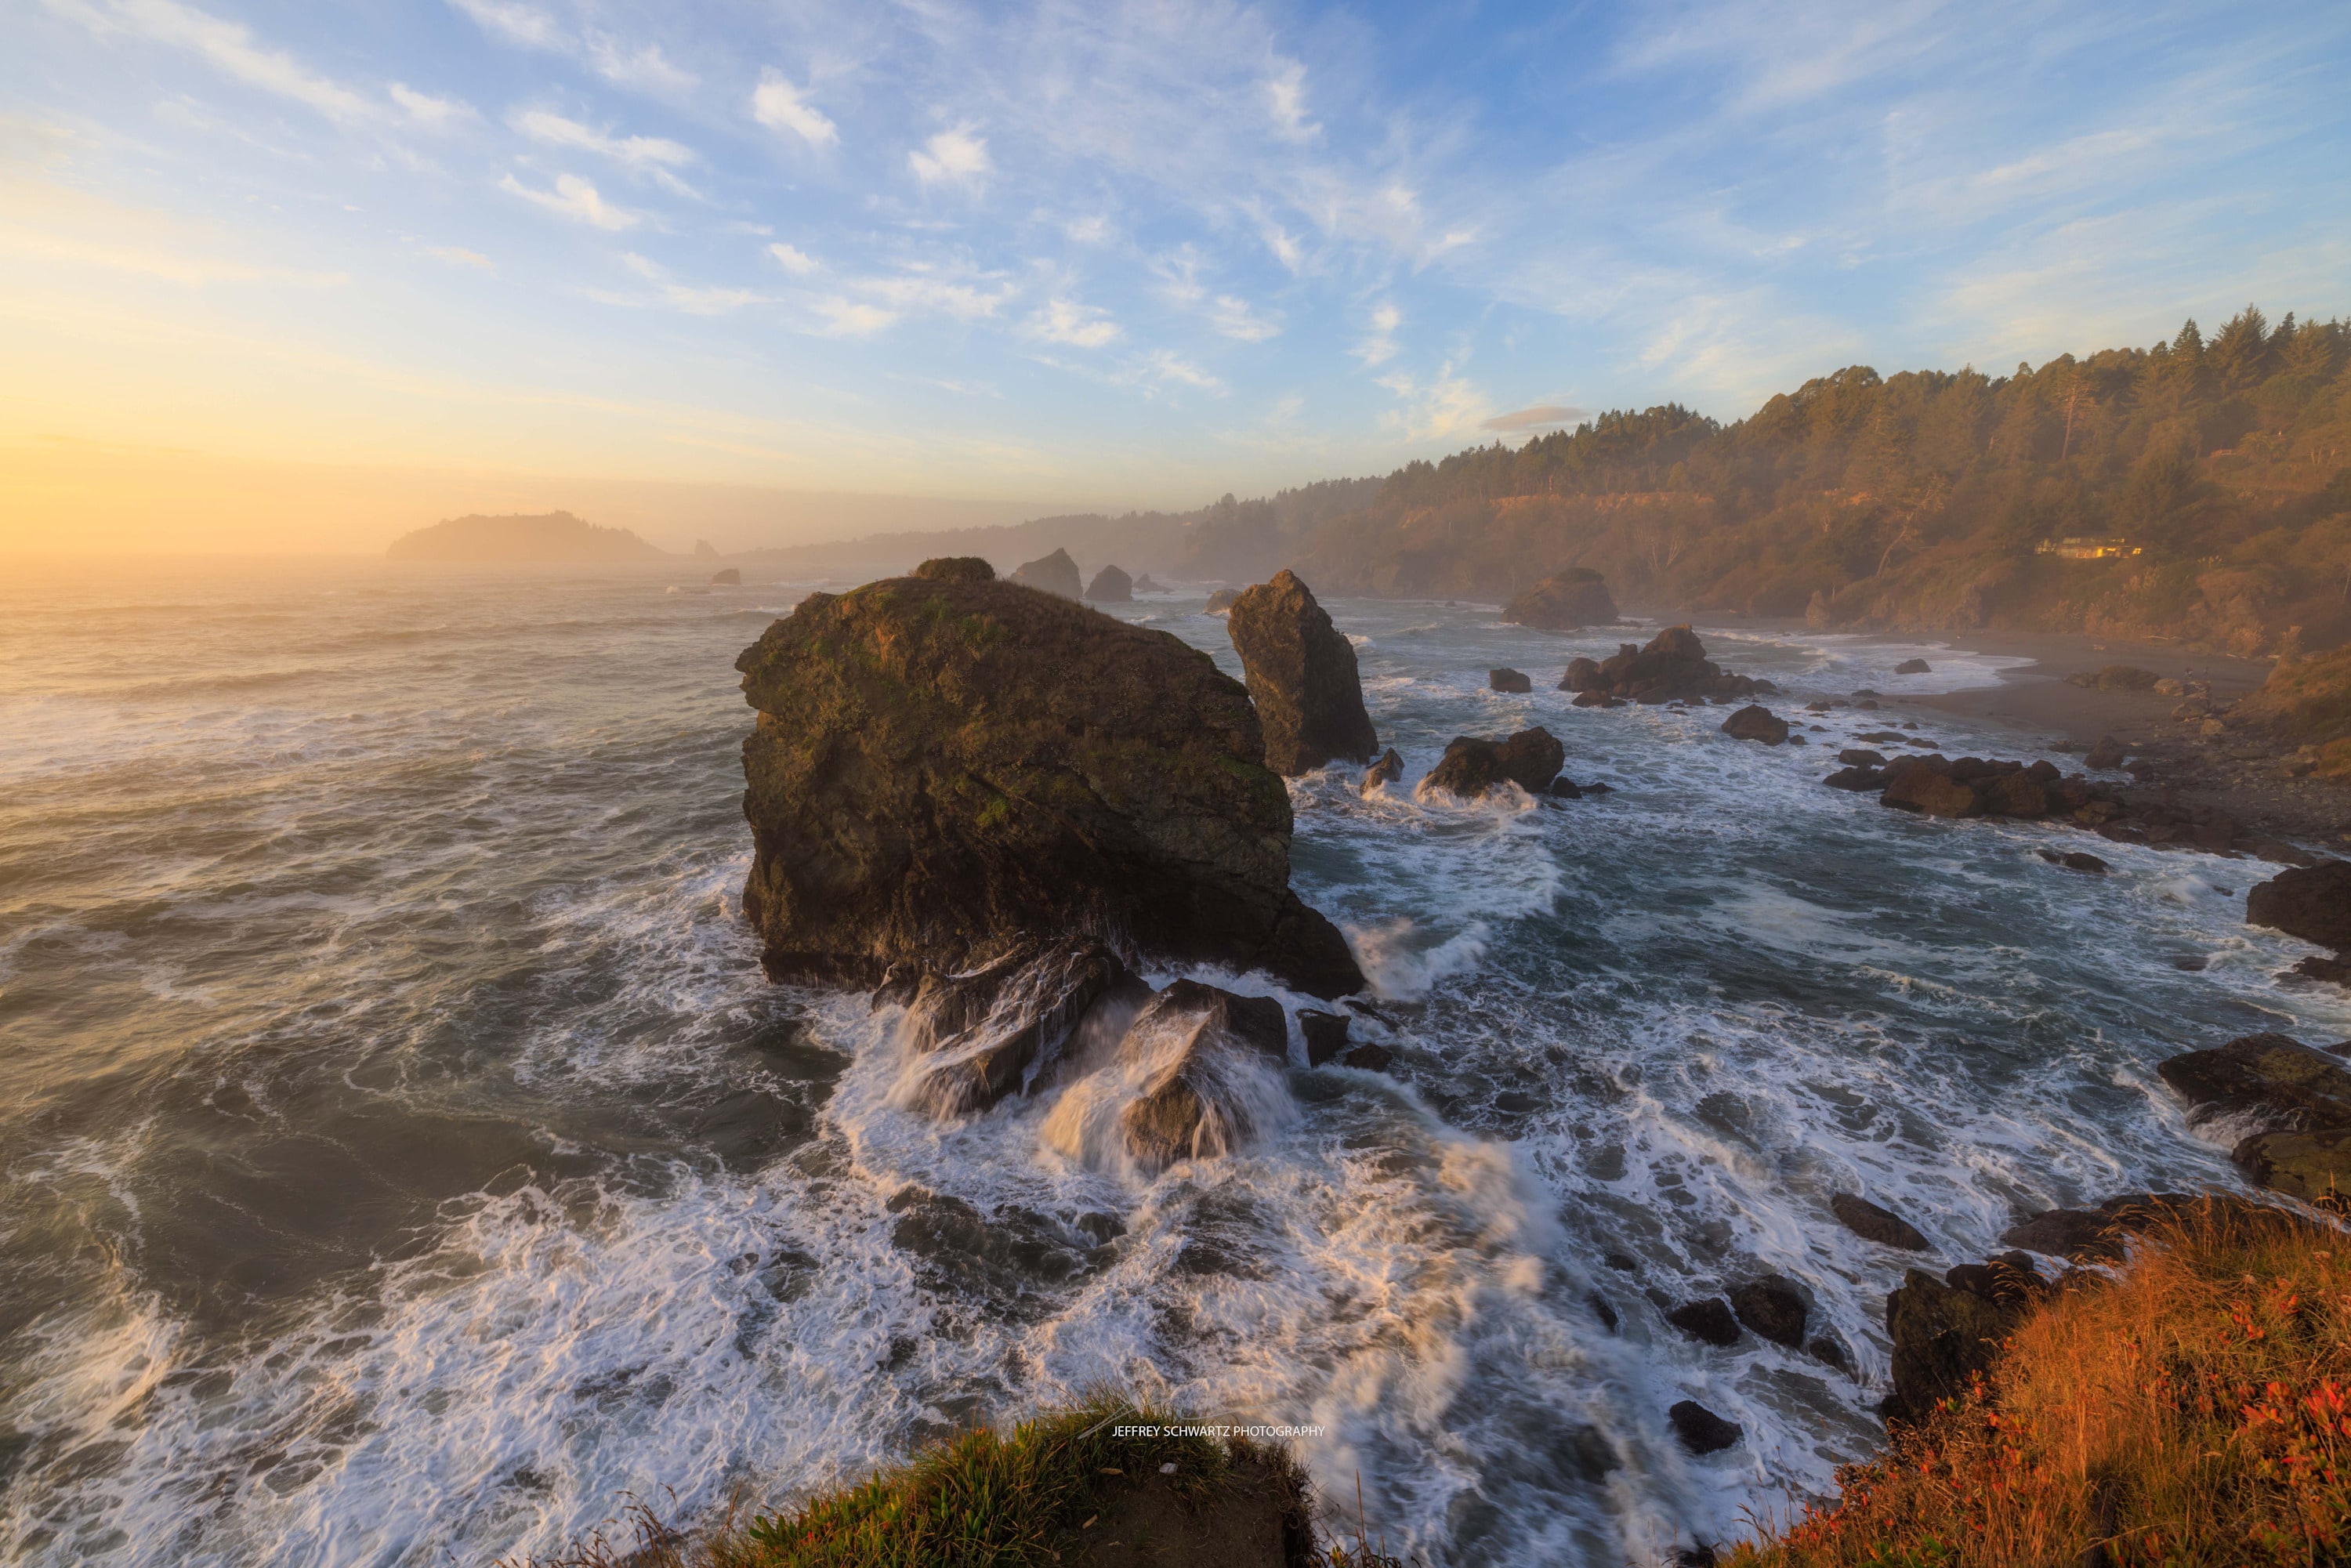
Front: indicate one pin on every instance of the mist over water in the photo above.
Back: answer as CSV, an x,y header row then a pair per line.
x,y
402,1155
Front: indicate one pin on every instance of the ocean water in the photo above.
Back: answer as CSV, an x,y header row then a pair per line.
x,y
402,1159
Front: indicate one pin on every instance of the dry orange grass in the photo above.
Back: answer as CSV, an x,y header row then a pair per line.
x,y
2197,1411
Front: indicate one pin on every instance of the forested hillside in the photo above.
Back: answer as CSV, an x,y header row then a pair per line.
x,y
1920,500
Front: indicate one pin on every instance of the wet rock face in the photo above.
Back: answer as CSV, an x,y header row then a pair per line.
x,y
2313,903
1110,586
1386,770
1574,598
2261,1084
1197,1104
944,772
1673,668
990,1032
1508,680
2312,1166
1773,1308
1473,768
1055,573
1302,677
1700,1429
1712,1320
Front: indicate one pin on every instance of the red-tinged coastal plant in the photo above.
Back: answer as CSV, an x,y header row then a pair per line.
x,y
2195,1410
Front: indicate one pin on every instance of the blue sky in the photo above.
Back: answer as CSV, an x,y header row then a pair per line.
x,y
1122,254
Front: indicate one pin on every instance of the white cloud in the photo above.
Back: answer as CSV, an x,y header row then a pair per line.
x,y
1445,409
1066,321
227,47
955,155
924,292
1164,366
852,318
458,256
426,110
1285,247
575,199
792,258
1285,93
1089,230
779,106
644,67
1233,317
647,154
514,22
1380,346
1179,275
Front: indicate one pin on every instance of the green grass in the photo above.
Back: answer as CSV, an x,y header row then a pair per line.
x,y
984,1499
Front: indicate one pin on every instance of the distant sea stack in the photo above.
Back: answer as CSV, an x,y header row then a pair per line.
x,y
1302,677
1110,586
552,539
1055,573
1576,598
946,771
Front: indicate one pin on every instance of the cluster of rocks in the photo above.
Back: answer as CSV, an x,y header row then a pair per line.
x,y
1576,598
2284,1108
1473,768
1673,667
946,768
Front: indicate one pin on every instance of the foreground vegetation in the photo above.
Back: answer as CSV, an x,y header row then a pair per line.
x,y
2198,1411
1054,1490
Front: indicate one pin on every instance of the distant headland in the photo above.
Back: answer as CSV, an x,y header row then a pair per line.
x,y
551,538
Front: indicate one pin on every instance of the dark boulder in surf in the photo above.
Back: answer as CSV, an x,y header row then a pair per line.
x,y
1573,598
944,772
2261,1084
1871,1223
1710,1319
1473,768
1325,1035
1701,1430
1386,770
1941,1337
1508,680
984,1033
1773,1308
1220,600
1302,677
1756,722
2312,902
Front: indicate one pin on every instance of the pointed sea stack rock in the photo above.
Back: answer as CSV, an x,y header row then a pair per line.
x,y
1576,598
1473,768
1110,586
1055,573
944,771
1302,677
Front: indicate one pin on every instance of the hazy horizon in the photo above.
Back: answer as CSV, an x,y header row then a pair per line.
x,y
292,280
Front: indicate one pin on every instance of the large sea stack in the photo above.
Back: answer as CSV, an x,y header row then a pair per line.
x,y
947,770
1574,598
1055,573
1301,675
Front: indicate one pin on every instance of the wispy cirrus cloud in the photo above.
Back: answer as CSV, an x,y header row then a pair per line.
x,y
655,156
575,199
1081,326
228,46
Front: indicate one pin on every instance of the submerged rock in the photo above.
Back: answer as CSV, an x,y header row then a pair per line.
x,y
1473,768
1574,598
1871,1223
1055,573
1110,586
1709,1318
944,771
1302,677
